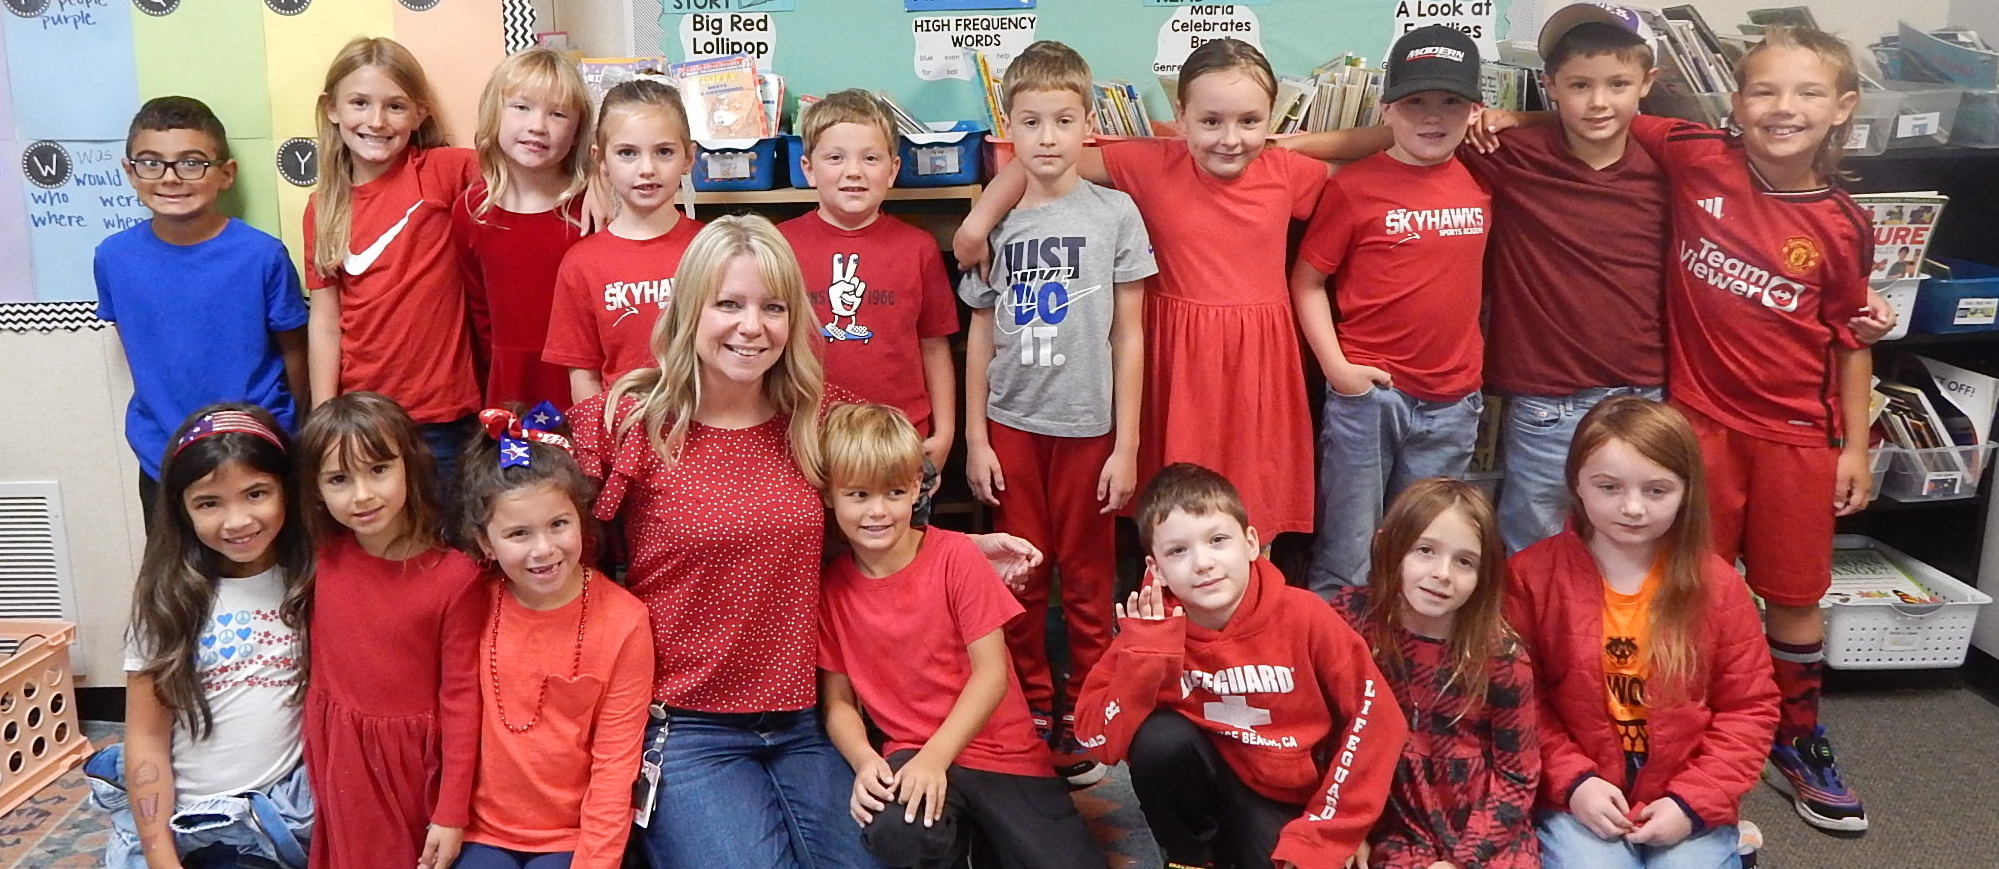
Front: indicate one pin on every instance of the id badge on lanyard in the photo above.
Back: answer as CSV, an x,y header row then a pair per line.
x,y
645,791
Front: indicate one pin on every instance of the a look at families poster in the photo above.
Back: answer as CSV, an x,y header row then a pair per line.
x,y
76,70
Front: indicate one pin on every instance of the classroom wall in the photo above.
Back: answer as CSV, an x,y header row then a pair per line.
x,y
71,386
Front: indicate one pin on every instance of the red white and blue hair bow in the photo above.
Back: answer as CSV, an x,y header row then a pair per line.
x,y
514,433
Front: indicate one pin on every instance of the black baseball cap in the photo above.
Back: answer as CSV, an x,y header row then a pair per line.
x,y
1433,58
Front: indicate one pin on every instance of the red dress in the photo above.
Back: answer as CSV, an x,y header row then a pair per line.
x,y
508,261
1224,379
392,703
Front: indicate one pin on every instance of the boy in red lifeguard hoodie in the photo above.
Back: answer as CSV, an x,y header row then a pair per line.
x,y
1258,730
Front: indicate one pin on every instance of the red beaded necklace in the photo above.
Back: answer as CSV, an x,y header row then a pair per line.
x,y
493,659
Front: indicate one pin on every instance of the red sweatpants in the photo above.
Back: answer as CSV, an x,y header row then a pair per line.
x,y
1051,501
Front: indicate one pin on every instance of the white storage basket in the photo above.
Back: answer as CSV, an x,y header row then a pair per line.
x,y
1892,635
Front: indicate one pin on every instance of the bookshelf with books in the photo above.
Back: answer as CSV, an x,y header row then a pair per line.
x,y
1959,536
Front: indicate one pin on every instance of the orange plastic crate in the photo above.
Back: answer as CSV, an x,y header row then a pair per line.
x,y
39,736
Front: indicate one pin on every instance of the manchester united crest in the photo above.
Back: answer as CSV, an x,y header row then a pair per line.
x,y
1799,255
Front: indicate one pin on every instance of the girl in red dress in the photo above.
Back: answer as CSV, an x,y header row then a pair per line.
x,y
392,708
1221,347
512,228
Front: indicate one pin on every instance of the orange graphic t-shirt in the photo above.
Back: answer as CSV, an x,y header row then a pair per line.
x,y
1626,630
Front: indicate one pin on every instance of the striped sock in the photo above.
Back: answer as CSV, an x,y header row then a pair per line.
x,y
1800,668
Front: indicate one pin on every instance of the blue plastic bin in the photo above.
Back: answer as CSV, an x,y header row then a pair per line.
x,y
794,151
1968,301
943,158
735,164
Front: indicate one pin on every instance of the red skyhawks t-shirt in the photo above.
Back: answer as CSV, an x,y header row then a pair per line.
x,y
1759,286
608,294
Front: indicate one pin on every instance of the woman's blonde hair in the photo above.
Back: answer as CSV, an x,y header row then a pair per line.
x,y
1663,436
669,394
546,75
1838,57
334,194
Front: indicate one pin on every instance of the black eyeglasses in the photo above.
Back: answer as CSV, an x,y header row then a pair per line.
x,y
186,170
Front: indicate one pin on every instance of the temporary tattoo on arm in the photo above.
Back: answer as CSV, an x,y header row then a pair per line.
x,y
148,808
147,773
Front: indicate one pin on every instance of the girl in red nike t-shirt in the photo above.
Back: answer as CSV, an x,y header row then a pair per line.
x,y
388,306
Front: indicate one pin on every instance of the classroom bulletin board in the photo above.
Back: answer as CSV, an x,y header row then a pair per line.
x,y
76,70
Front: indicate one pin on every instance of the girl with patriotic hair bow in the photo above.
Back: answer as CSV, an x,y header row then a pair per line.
x,y
209,770
390,758
565,660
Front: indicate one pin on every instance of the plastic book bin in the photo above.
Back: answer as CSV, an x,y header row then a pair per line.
x,y
735,164
1873,123
792,153
1878,460
1968,301
1892,635
1936,474
1929,111
39,737
1977,120
947,156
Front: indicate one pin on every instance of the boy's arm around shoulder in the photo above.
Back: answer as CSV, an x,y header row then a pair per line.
x,y
1338,145
1742,699
1142,663
615,742
1363,749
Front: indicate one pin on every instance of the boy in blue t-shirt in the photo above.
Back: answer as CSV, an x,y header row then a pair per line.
x,y
208,309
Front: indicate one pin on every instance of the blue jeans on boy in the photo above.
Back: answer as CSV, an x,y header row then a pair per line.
x,y
754,790
268,828
1567,844
1534,453
1371,447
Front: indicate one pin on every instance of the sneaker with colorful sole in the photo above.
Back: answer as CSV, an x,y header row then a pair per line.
x,y
1806,770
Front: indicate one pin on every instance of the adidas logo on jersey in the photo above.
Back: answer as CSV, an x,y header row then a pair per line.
x,y
1711,205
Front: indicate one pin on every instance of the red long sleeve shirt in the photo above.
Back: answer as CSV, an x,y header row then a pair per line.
x,y
1287,693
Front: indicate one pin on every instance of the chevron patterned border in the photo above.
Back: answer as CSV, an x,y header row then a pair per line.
x,y
50,317
517,22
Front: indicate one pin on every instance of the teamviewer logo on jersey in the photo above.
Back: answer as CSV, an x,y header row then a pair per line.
x,y
1711,205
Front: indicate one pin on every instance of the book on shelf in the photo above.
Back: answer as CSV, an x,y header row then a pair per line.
x,y
722,97
990,84
601,74
905,122
770,91
1860,575
1953,55
1903,226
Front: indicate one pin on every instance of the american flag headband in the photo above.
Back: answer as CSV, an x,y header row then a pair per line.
x,y
224,422
514,433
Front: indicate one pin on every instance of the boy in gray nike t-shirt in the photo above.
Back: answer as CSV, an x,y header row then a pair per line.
x,y
1052,378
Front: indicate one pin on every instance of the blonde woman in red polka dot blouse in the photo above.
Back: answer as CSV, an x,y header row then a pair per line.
x,y
713,460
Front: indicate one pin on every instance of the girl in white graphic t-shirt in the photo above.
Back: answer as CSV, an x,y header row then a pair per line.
x,y
210,767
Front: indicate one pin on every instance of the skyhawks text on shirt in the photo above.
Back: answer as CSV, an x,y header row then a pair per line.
x,y
1442,221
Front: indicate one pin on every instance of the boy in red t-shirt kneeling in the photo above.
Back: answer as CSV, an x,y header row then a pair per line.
x,y
910,628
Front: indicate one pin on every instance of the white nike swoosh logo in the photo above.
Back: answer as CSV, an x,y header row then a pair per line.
x,y
356,263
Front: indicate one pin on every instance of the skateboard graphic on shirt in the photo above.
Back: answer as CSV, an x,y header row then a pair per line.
x,y
844,296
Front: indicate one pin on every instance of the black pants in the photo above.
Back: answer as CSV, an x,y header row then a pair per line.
x,y
1022,821
1197,807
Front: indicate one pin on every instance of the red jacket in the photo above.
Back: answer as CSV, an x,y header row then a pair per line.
x,y
1705,752
1326,735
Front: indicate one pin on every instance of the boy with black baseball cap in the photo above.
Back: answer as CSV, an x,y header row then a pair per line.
x,y
1405,229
